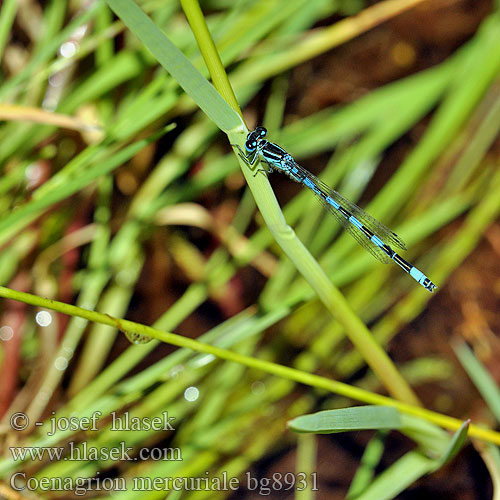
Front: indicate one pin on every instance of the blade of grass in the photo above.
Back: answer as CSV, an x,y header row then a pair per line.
x,y
482,379
177,64
398,477
491,456
307,464
366,470
37,115
7,16
347,419
259,364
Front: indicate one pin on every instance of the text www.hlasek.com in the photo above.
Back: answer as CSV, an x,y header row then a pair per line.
x,y
83,452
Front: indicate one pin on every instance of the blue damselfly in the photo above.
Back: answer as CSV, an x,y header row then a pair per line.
x,y
368,232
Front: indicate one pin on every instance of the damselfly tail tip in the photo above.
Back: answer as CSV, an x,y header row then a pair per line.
x,y
429,285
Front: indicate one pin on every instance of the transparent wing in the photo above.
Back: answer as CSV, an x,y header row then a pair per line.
x,y
384,233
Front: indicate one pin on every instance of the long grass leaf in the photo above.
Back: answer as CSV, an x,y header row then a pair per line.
x,y
177,64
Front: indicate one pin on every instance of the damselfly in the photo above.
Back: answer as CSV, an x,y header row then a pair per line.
x,y
368,232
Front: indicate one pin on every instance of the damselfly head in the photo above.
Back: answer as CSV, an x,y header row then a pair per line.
x,y
253,138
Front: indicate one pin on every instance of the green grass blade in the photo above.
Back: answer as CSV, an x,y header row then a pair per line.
x,y
398,477
480,377
491,456
455,445
177,64
307,463
347,419
7,16
366,470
